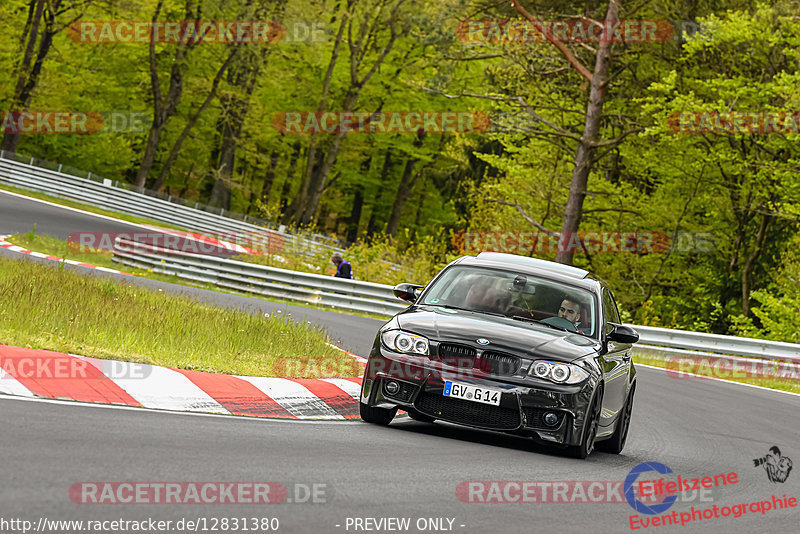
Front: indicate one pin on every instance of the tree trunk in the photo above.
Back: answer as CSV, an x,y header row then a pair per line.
x,y
373,217
403,191
176,147
164,106
355,215
269,176
27,75
747,268
297,208
359,45
583,155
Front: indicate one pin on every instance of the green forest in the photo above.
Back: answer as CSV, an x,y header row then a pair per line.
x,y
672,121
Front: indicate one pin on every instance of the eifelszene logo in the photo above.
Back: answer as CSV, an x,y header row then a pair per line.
x,y
630,487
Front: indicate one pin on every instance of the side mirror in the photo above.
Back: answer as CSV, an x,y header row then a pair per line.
x,y
623,334
407,292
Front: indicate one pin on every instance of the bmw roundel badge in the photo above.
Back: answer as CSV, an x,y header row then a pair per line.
x,y
483,341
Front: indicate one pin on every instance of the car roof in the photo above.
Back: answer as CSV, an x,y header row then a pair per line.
x,y
535,266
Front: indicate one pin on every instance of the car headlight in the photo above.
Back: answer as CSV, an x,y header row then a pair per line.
x,y
404,342
561,373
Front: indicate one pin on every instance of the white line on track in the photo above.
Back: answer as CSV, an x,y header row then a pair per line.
x,y
173,412
76,210
349,387
11,386
296,398
160,387
721,380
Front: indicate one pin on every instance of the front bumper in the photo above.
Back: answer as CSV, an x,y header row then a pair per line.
x,y
523,403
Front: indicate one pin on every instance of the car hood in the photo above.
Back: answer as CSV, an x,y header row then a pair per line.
x,y
504,334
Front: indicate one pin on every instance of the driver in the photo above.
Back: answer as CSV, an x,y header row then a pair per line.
x,y
571,311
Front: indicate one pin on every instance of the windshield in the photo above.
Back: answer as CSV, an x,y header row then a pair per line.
x,y
512,294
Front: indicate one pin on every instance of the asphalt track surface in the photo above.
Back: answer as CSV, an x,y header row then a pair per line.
x,y
409,470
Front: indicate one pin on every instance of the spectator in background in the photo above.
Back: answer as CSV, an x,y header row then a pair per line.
x,y
343,268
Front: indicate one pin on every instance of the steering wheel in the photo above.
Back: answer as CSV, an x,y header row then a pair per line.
x,y
560,322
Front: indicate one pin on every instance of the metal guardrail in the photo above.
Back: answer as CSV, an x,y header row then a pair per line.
x,y
106,195
351,295
718,344
379,299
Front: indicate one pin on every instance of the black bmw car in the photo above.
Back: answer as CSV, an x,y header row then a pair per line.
x,y
508,343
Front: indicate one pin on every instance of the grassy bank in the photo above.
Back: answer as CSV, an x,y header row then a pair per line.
x,y
48,307
55,247
662,360
101,258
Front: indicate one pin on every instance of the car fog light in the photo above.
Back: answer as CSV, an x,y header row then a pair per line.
x,y
392,387
550,419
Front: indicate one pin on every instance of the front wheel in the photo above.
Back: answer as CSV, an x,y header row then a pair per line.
x,y
378,416
589,430
616,442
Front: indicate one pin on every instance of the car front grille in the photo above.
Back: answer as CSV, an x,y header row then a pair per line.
x,y
534,417
404,394
464,357
453,350
499,363
467,412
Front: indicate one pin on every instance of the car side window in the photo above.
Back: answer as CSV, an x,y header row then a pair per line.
x,y
610,311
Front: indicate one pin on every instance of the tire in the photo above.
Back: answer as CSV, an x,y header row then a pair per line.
x,y
589,430
416,416
378,416
616,442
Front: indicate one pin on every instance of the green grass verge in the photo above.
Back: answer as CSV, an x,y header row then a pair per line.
x,y
101,258
55,247
661,359
49,307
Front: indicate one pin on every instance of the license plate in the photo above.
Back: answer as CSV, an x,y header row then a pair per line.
x,y
472,393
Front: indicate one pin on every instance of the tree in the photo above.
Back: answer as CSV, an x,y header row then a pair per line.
x,y
165,105
44,20
364,28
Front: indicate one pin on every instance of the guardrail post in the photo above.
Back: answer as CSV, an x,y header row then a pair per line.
x,y
59,167
31,163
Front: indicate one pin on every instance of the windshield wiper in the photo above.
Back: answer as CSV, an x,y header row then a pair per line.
x,y
536,321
